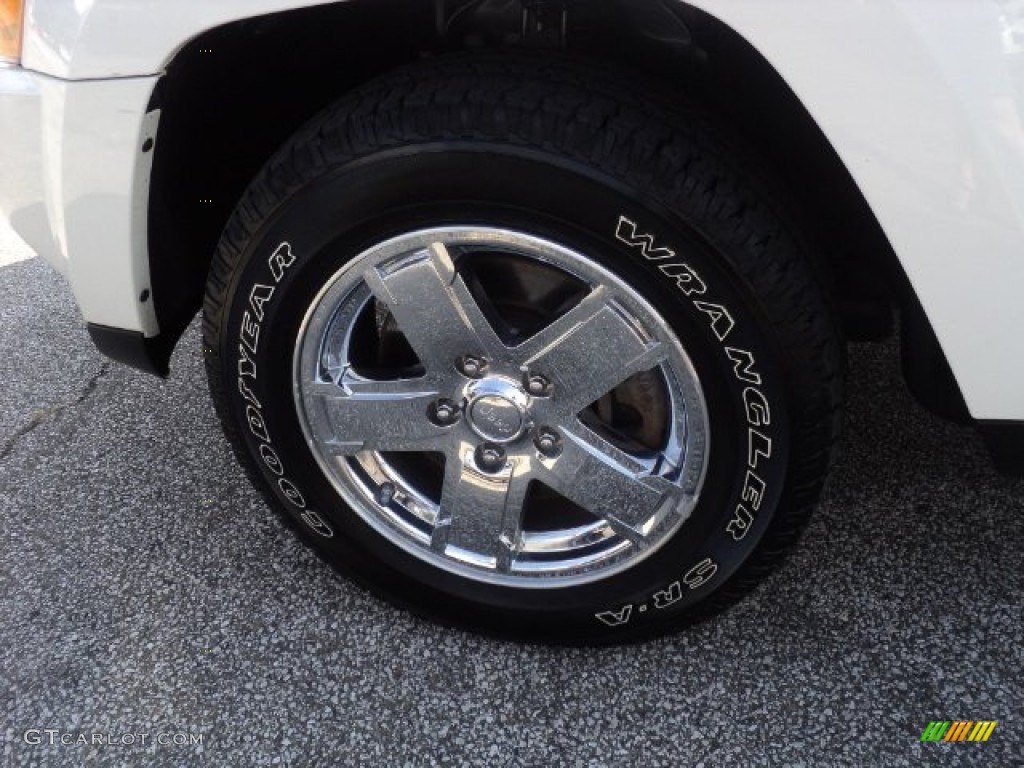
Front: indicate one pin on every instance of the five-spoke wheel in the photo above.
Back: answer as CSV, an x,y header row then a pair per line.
x,y
541,450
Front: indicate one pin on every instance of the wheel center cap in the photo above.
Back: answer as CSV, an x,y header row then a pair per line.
x,y
497,410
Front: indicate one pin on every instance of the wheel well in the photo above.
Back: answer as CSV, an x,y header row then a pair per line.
x,y
233,95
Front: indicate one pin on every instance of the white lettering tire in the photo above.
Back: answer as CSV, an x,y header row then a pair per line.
x,y
526,347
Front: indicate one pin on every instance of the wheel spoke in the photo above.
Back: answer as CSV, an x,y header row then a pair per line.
x,y
480,514
433,307
611,484
374,415
589,351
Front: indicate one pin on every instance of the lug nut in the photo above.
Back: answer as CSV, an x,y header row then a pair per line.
x,y
444,412
471,366
548,442
490,457
537,385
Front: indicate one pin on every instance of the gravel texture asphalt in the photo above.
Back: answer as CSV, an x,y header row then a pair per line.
x,y
145,588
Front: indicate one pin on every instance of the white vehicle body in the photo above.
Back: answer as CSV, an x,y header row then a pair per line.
x,y
920,100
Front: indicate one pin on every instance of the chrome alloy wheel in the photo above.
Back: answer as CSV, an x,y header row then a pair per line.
x,y
501,407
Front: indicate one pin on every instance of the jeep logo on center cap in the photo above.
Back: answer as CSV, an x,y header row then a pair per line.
x,y
496,418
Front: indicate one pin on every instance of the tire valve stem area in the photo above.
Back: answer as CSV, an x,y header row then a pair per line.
x,y
385,494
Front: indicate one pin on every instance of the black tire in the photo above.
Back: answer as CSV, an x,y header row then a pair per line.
x,y
650,190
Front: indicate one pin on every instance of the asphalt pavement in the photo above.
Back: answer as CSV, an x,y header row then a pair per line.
x,y
147,591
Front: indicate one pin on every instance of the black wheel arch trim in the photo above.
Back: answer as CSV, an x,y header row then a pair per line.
x,y
1005,443
150,354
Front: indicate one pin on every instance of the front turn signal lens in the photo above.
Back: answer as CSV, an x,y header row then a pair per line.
x,y
11,12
